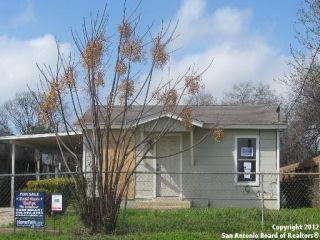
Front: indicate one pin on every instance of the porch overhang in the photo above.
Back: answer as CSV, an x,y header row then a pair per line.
x,y
46,141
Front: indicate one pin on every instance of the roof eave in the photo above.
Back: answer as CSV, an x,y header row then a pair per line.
x,y
34,136
248,126
172,116
153,118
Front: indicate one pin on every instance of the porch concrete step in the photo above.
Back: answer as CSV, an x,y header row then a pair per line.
x,y
160,204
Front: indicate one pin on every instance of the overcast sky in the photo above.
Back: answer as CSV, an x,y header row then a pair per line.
x,y
248,40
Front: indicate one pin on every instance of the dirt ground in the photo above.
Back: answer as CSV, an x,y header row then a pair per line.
x,y
6,216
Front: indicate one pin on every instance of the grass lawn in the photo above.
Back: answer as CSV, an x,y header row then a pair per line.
x,y
181,224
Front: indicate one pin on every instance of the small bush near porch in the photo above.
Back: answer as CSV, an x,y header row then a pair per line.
x,y
182,224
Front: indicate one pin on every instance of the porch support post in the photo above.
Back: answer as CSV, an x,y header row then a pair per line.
x,y
56,166
37,156
155,171
191,147
84,154
181,165
13,160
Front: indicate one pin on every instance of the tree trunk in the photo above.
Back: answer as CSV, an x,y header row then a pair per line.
x,y
99,221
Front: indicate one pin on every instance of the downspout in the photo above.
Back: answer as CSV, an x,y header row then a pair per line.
x,y
13,159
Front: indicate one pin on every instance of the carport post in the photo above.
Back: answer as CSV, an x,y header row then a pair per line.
x,y
13,159
37,156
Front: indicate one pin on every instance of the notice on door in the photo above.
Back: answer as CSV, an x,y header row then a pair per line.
x,y
247,169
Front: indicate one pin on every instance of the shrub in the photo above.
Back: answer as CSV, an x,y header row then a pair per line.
x,y
65,186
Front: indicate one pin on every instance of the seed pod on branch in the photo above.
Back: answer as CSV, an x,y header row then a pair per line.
x,y
193,84
99,81
187,118
126,90
217,134
125,29
132,49
159,54
121,68
93,52
168,99
69,77
48,105
43,117
51,99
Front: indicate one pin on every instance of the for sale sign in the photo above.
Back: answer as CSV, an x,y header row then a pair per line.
x,y
56,203
29,209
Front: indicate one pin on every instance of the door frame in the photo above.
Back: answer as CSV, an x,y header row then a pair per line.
x,y
180,135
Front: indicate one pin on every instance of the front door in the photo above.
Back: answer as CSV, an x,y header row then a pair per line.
x,y
168,183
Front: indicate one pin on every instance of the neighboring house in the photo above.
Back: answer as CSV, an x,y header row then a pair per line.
x,y
204,174
308,185
307,166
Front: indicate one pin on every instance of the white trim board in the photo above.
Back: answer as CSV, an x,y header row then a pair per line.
x,y
170,116
249,126
33,136
212,125
155,170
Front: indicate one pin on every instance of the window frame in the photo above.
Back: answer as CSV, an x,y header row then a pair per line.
x,y
247,183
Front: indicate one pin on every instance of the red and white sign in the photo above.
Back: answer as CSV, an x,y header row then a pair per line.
x,y
56,204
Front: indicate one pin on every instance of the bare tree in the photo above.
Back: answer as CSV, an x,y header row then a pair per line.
x,y
113,75
251,93
4,125
21,113
299,141
201,98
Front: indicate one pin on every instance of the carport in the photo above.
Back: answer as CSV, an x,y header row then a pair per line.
x,y
39,143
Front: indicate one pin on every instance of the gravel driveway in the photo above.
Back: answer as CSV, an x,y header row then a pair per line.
x,y
6,216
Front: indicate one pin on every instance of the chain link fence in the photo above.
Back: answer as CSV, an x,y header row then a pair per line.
x,y
275,199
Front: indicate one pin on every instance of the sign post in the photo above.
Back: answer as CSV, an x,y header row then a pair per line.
x,y
56,206
29,210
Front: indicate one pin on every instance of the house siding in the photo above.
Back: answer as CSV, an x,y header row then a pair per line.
x,y
220,190
172,125
205,188
145,182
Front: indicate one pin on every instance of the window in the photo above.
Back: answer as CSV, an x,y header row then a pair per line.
x,y
247,159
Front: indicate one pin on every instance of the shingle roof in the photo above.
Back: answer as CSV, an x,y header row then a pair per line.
x,y
209,114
